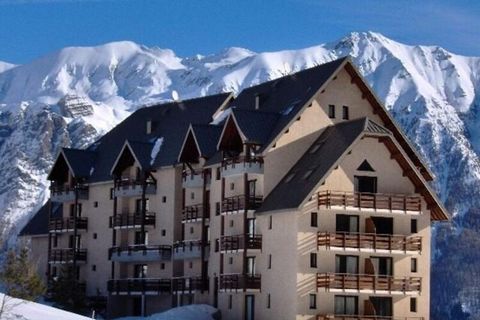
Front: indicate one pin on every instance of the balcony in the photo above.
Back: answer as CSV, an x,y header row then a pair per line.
x,y
363,317
241,203
133,188
368,283
60,225
242,282
195,213
370,201
370,242
241,242
189,285
67,194
132,221
190,249
61,256
193,179
140,253
139,286
240,165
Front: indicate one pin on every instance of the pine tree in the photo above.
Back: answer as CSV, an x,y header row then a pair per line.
x,y
67,292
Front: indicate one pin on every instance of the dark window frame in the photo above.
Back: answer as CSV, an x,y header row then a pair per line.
x,y
345,113
331,111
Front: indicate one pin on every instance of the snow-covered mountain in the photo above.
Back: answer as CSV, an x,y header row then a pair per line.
x,y
431,92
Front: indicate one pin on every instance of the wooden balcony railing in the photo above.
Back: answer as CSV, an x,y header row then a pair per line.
x,y
195,212
61,189
241,242
67,255
240,282
242,202
363,317
189,245
67,224
368,282
132,220
370,241
246,160
370,200
165,251
135,285
128,182
189,284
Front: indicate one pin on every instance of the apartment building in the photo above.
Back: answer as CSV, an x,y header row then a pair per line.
x,y
299,198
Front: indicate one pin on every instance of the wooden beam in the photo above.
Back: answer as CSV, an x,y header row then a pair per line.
x,y
407,172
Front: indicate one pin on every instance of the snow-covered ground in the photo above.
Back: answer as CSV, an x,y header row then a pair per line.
x,y
17,309
191,312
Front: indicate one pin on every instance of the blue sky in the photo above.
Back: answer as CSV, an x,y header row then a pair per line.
x,y
32,28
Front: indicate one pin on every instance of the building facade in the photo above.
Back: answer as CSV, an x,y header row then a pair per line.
x,y
299,198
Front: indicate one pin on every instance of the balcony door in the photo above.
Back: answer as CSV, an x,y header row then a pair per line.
x,y
140,271
249,307
141,238
250,266
365,184
382,306
346,305
138,205
74,242
382,225
347,223
381,266
346,264
251,225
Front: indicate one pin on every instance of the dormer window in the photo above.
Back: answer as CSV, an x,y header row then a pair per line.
x,y
331,111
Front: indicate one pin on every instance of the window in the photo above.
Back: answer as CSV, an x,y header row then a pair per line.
x,y
231,223
54,272
346,264
191,230
314,219
413,226
164,199
382,265
111,194
55,241
347,223
313,301
230,260
270,222
413,304
95,204
190,264
345,115
413,265
141,237
365,184
232,186
162,266
268,301
230,302
347,305
94,236
140,271
217,175
217,208
192,195
94,267
164,232
382,306
331,111
269,261
313,260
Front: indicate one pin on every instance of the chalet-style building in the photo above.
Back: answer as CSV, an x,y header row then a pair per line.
x,y
300,198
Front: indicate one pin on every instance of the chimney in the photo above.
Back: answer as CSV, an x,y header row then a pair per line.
x,y
257,101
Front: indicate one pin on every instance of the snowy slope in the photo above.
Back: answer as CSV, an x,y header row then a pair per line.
x,y
17,309
431,92
190,312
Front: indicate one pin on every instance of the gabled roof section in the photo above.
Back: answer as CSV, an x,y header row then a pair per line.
x,y
171,121
79,163
201,137
257,126
327,152
38,224
140,152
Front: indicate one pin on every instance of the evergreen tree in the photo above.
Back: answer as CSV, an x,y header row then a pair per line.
x,y
67,292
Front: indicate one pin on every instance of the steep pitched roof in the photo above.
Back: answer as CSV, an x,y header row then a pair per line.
x,y
256,125
80,162
206,137
38,224
169,121
326,152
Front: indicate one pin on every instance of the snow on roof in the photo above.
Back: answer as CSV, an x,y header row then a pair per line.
x,y
190,312
156,150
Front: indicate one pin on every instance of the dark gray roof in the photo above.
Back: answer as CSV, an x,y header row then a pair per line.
x,y
170,121
81,161
207,138
142,152
311,168
256,125
285,96
38,224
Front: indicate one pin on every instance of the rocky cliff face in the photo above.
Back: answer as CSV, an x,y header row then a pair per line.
x,y
431,92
